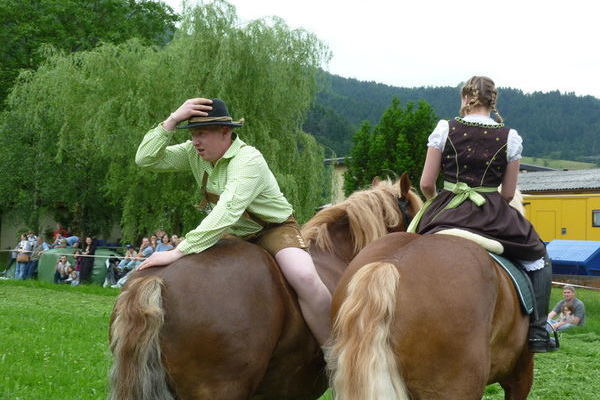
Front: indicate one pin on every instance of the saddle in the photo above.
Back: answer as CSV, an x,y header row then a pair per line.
x,y
513,269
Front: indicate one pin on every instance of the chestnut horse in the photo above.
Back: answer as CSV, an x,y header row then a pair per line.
x,y
225,325
427,317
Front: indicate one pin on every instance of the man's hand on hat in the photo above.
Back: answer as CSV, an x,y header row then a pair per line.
x,y
190,108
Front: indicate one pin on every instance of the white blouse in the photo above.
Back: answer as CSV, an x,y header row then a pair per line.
x,y
514,145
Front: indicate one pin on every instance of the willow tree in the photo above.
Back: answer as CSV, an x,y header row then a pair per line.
x,y
71,129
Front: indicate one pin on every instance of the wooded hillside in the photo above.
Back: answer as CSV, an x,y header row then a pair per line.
x,y
553,125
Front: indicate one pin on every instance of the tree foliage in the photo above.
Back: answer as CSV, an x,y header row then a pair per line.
x,y
553,124
71,129
395,145
74,25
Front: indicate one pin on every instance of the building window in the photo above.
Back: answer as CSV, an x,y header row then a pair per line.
x,y
596,218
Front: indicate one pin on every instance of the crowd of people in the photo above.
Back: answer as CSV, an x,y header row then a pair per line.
x,y
30,247
118,270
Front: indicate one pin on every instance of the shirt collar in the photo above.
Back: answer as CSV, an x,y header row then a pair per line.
x,y
235,147
482,119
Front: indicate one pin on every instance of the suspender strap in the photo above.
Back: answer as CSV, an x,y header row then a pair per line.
x,y
208,197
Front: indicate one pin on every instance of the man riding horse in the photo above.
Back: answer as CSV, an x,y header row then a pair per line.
x,y
242,196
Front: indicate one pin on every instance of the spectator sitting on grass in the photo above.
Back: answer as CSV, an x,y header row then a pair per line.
x,y
145,251
164,245
130,256
159,234
578,316
73,278
154,242
62,270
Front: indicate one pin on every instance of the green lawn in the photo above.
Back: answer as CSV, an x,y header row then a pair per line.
x,y
54,346
558,164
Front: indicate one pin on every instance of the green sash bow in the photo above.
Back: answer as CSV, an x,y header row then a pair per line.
x,y
462,192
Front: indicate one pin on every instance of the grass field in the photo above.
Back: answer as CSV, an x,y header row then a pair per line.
x,y
54,346
558,164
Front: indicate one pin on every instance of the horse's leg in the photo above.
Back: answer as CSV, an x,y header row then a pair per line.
x,y
216,391
518,384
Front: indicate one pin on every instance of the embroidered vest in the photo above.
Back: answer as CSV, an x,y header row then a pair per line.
x,y
475,153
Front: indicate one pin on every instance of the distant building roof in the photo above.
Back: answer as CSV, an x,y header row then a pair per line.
x,y
553,181
338,160
533,168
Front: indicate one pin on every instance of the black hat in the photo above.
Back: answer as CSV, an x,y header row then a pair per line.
x,y
219,115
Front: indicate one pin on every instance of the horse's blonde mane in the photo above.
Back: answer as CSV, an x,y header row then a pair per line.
x,y
371,213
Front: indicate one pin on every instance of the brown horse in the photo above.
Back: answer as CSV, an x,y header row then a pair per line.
x,y
427,317
224,324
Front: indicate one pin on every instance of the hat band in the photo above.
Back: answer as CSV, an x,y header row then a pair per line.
x,y
210,119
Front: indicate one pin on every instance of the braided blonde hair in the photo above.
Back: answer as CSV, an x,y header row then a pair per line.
x,y
480,91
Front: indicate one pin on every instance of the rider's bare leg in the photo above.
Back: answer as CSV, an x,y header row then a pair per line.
x,y
314,298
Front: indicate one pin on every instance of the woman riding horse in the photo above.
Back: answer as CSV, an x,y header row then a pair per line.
x,y
433,316
475,155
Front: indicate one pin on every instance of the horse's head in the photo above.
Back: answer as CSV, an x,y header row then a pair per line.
x,y
407,200
367,215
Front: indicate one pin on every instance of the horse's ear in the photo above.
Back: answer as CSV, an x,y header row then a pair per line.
x,y
375,181
404,184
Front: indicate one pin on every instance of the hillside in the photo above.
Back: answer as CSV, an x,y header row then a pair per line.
x,y
553,125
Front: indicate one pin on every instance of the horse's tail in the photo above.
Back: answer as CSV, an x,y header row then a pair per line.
x,y
361,357
137,372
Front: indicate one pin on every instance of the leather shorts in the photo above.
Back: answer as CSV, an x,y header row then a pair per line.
x,y
276,237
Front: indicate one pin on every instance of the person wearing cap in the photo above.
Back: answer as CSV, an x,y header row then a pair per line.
x,y
242,198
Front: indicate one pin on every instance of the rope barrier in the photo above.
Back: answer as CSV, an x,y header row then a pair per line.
x,y
574,285
73,255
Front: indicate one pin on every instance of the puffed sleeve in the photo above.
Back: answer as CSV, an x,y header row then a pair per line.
x,y
514,146
438,137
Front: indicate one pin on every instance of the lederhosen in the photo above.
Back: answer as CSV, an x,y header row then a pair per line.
x,y
475,155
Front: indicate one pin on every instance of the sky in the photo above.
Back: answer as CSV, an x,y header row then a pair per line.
x,y
530,45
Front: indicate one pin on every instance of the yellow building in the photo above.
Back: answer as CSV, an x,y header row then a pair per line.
x,y
337,178
563,204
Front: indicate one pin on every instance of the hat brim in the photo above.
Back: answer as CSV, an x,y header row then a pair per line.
x,y
224,123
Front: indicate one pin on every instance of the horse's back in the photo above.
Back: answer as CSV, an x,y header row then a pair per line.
x,y
447,303
229,314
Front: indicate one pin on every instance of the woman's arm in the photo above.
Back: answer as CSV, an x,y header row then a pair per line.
x,y
509,180
431,170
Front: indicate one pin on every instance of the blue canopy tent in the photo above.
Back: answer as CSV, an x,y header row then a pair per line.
x,y
575,257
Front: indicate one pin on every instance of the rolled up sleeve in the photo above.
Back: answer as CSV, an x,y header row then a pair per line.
x,y
245,181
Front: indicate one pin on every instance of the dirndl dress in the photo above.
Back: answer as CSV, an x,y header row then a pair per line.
x,y
473,164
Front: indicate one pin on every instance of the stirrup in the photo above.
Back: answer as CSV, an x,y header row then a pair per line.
x,y
546,345
555,334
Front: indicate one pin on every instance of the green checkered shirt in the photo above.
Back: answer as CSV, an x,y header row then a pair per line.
x,y
241,177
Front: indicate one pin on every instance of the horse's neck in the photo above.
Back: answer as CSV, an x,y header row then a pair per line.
x,y
332,264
